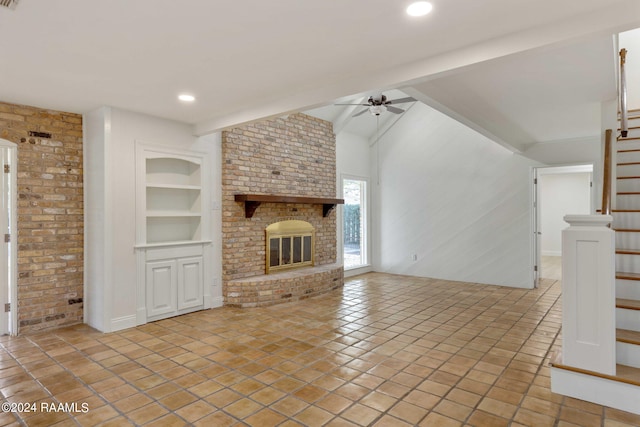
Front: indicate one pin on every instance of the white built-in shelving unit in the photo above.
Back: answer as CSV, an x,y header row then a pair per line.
x,y
173,200
173,231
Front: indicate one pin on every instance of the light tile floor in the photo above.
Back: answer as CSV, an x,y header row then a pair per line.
x,y
385,350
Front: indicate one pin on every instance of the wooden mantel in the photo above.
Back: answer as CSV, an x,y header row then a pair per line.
x,y
252,201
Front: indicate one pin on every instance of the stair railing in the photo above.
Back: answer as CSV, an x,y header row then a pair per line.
x,y
624,126
588,277
606,175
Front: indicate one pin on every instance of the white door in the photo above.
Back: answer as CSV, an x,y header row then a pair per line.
x,y
8,239
4,245
161,286
190,282
557,191
537,233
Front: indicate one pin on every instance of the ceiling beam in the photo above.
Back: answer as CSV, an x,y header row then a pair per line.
x,y
344,117
462,119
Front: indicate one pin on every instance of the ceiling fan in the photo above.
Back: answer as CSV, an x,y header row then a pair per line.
x,y
378,104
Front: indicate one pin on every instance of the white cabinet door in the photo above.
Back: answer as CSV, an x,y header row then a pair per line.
x,y
190,282
162,287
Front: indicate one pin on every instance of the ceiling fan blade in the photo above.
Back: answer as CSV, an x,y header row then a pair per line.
x,y
394,110
360,113
401,100
365,105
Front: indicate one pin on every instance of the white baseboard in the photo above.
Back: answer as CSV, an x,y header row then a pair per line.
x,y
141,316
123,322
212,302
551,253
95,324
217,302
355,271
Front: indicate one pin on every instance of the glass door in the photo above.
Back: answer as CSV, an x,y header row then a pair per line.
x,y
354,223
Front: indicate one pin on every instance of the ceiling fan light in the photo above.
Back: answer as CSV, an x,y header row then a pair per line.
x,y
419,8
376,110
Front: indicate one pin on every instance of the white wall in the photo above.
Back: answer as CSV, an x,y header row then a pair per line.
x,y
459,202
111,264
352,156
352,160
560,195
95,256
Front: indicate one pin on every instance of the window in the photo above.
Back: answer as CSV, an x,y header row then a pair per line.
x,y
354,223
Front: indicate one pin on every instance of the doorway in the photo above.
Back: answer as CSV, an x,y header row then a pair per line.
x,y
559,191
354,222
8,239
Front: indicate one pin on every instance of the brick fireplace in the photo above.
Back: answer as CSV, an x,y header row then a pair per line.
x,y
287,156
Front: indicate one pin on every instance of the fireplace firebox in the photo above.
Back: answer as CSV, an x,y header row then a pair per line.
x,y
290,244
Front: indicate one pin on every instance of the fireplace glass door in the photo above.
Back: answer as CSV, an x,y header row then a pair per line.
x,y
289,245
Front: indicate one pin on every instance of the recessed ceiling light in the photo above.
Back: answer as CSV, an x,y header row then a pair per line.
x,y
419,8
186,97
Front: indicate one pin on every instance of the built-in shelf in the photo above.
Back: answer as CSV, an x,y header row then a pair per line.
x,y
252,201
173,198
171,214
175,186
173,242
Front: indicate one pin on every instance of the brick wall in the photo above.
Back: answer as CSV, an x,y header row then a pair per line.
x,y
50,215
293,155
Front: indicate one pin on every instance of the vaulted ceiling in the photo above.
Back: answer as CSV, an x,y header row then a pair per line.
x,y
487,61
544,95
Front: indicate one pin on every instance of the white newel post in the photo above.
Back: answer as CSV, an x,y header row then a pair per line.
x,y
588,294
